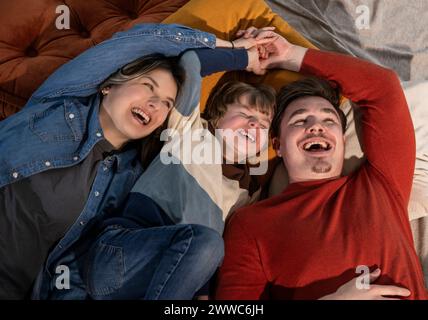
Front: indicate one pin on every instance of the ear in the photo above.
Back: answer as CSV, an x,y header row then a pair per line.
x,y
214,122
276,146
105,90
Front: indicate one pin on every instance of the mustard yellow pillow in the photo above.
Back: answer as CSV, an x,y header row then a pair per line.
x,y
224,18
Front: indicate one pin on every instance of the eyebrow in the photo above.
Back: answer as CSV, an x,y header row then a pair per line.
x,y
157,86
302,111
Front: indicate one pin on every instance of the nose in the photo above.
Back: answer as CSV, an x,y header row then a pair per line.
x,y
254,123
154,103
315,127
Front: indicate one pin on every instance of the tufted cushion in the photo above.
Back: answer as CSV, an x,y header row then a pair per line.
x,y
31,47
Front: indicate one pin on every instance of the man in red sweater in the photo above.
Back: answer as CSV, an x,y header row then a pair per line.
x,y
313,238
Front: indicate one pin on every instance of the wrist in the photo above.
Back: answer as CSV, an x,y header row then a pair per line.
x,y
220,43
252,56
293,58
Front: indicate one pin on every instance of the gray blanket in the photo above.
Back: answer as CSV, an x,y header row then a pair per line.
x,y
397,34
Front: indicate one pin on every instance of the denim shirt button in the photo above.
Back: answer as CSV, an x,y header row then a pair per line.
x,y
47,164
179,34
75,158
82,223
105,168
205,39
97,193
99,134
71,115
15,175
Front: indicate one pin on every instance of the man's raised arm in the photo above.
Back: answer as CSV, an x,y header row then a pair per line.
x,y
388,134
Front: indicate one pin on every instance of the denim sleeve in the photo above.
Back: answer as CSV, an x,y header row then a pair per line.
x,y
221,59
81,76
201,62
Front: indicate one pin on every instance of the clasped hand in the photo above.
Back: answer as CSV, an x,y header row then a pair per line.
x,y
266,49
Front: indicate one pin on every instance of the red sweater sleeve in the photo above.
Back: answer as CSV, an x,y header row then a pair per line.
x,y
388,134
241,276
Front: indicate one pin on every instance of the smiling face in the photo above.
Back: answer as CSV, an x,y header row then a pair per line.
x,y
135,109
311,140
249,124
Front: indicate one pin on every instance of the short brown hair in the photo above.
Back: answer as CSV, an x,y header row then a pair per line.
x,y
260,97
306,88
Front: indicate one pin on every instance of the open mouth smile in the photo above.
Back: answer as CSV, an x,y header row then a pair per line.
x,y
142,117
317,146
247,135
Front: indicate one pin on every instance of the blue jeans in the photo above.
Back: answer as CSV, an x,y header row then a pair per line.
x,y
167,262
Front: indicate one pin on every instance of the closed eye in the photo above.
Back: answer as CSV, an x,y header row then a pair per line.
x,y
150,86
244,114
167,103
300,122
330,121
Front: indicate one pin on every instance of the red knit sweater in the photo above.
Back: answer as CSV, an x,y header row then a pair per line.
x,y
308,241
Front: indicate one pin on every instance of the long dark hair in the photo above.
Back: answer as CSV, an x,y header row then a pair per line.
x,y
151,145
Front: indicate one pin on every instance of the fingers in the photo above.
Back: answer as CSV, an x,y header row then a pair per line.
x,y
241,33
249,32
266,64
260,72
374,275
252,31
263,54
266,34
382,290
263,40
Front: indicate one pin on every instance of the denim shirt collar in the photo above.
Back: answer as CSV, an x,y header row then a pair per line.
x,y
124,155
95,130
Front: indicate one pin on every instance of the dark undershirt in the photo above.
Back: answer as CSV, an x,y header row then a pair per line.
x,y
35,213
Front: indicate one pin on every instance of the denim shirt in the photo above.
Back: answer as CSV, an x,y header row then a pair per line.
x,y
59,125
55,128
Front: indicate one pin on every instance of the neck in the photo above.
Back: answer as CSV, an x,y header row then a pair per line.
x,y
306,179
111,134
231,156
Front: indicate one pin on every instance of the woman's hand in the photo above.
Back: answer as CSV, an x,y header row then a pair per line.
x,y
350,291
246,43
253,46
274,50
254,65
